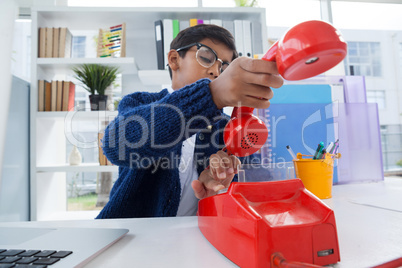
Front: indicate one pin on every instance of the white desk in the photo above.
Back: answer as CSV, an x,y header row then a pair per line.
x,y
368,216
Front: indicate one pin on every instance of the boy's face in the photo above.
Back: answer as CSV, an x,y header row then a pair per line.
x,y
187,70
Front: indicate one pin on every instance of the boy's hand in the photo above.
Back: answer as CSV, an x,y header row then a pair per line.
x,y
222,168
246,82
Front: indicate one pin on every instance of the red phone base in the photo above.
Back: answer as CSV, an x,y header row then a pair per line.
x,y
254,220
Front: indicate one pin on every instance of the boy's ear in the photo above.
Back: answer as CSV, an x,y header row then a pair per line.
x,y
173,58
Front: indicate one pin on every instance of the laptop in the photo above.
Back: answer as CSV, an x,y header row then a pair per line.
x,y
79,245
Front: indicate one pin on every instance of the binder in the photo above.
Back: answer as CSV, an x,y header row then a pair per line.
x,y
238,34
184,24
193,22
167,39
176,28
229,25
248,50
217,22
159,44
256,38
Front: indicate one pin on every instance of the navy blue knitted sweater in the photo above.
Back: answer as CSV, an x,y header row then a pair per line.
x,y
145,141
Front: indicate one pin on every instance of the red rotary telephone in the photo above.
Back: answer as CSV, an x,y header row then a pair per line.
x,y
306,50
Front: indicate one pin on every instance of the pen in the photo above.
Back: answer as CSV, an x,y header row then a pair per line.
x,y
319,149
329,147
335,147
291,151
322,154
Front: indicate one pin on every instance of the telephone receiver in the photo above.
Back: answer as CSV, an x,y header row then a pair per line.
x,y
305,50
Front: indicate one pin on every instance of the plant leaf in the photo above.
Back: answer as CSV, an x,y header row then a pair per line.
x,y
95,77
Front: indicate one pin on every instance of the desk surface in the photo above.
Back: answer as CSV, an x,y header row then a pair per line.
x,y
368,217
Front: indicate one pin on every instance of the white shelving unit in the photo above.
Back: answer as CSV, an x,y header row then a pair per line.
x,y
154,77
139,69
78,115
85,167
64,65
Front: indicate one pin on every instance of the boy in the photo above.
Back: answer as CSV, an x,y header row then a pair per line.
x,y
163,142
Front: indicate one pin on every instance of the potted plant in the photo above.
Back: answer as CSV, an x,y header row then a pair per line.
x,y
96,78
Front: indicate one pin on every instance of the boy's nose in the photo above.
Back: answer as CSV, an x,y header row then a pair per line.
x,y
214,70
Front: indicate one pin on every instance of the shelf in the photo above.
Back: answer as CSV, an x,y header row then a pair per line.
x,y
50,132
78,115
154,77
85,167
64,65
137,17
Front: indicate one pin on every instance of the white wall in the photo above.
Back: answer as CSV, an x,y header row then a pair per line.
x,y
7,16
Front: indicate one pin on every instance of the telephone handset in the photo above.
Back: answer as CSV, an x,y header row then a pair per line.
x,y
305,50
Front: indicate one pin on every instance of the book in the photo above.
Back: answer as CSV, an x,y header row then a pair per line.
x,y
42,42
66,86
41,95
71,97
123,40
53,96
48,96
59,97
167,39
65,43
68,96
56,40
102,158
159,44
49,43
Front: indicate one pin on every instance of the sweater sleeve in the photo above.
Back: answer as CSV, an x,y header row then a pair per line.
x,y
148,129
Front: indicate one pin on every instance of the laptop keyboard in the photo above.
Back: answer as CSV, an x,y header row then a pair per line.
x,y
30,258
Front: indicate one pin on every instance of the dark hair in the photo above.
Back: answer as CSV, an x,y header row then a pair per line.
x,y
199,32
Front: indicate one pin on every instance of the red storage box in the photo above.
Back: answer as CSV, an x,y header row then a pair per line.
x,y
253,220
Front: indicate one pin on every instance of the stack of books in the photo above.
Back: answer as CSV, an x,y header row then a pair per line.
x,y
56,96
55,43
112,42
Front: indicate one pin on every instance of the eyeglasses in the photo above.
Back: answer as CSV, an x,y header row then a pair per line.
x,y
206,56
